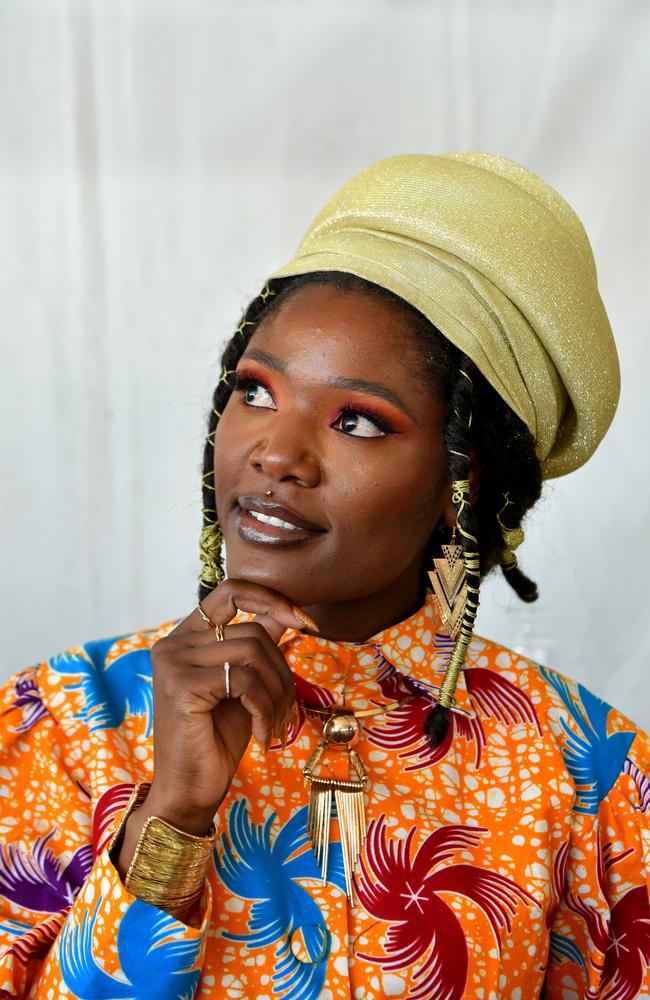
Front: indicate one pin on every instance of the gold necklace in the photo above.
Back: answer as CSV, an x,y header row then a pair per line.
x,y
341,733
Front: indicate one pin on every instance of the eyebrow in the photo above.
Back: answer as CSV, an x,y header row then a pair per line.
x,y
337,381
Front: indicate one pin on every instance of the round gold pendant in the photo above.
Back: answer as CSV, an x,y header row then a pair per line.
x,y
343,730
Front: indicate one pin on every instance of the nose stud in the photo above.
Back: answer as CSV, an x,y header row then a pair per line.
x,y
269,493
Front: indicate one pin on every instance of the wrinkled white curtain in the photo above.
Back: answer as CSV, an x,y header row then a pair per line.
x,y
159,158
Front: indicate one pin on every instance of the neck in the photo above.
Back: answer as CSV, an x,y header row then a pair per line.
x,y
358,620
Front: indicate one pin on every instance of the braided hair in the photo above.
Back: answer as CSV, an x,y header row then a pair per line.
x,y
478,423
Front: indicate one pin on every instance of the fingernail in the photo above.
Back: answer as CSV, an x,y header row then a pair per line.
x,y
303,617
295,716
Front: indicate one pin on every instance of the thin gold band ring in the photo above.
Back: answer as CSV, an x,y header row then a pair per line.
x,y
206,618
218,633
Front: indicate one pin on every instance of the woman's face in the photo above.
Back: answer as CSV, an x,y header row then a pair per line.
x,y
332,415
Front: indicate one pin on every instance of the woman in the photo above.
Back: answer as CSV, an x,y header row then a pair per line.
x,y
337,808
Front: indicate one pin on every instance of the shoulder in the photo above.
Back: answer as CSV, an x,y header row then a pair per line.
x,y
100,683
598,743
557,694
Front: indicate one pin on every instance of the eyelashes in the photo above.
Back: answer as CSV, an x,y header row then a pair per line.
x,y
244,380
351,411
245,384
350,418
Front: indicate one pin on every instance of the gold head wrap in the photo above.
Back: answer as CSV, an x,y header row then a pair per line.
x,y
501,264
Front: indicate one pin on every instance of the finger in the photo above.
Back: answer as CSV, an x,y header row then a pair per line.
x,y
274,629
189,692
249,665
246,653
257,632
253,634
214,651
254,695
223,603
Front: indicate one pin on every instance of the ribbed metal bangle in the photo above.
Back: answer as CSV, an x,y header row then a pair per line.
x,y
169,866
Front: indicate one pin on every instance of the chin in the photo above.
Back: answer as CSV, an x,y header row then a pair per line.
x,y
302,588
267,573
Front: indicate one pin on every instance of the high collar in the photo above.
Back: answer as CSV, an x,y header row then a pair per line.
x,y
405,659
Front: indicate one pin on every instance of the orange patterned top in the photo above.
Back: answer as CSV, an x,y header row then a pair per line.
x,y
509,862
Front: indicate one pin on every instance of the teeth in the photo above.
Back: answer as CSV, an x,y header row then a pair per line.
x,y
265,519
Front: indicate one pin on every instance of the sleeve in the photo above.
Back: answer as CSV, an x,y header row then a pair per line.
x,y
600,935
67,924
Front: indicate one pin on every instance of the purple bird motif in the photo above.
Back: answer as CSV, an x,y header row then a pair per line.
x,y
642,782
37,879
28,698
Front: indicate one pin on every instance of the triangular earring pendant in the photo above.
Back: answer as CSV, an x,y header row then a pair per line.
x,y
450,587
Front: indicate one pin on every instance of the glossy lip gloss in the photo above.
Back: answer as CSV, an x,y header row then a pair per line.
x,y
271,524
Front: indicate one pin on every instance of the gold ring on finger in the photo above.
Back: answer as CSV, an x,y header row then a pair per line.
x,y
218,631
226,670
206,618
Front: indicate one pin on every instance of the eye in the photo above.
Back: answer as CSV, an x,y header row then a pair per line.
x,y
358,424
255,393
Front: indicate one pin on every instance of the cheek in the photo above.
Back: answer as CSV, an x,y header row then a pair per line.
x,y
228,454
397,501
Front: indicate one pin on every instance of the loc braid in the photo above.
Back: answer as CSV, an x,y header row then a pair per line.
x,y
512,537
458,439
211,538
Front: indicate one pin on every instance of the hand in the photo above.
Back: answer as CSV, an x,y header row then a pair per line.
x,y
200,736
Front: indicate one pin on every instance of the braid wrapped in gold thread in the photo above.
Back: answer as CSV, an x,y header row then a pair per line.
x,y
437,724
525,588
211,537
210,542
512,538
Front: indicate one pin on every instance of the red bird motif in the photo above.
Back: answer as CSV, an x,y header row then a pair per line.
x,y
498,698
493,696
624,939
403,730
406,893
306,694
109,808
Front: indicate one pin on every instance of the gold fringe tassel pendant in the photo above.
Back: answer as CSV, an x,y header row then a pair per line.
x,y
340,733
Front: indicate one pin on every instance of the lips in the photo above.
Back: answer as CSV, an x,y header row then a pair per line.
x,y
264,523
277,512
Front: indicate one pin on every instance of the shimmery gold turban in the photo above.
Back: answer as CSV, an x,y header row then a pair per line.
x,y
501,264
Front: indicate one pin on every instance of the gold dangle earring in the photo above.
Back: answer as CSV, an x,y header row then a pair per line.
x,y
465,582
449,582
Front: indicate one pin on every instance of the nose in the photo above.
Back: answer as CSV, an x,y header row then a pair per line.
x,y
288,451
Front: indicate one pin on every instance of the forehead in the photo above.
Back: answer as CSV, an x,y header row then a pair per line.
x,y
347,332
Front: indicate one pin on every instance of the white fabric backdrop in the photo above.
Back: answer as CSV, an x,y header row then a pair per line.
x,y
160,157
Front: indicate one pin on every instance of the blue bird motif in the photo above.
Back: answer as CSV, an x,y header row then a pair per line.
x,y
156,960
564,949
255,868
594,759
112,692
14,928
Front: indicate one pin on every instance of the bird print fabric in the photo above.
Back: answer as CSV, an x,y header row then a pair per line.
x,y
509,862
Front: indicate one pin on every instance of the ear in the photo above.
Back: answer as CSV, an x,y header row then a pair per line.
x,y
449,513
